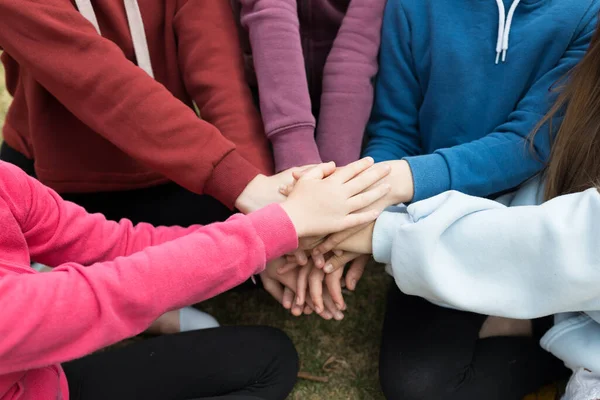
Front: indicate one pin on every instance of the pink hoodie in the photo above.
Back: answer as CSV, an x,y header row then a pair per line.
x,y
133,275
303,62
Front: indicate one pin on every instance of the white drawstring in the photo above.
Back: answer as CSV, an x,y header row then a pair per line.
x,y
501,19
87,10
138,35
136,29
504,26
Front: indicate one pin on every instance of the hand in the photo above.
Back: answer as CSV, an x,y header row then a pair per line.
x,y
333,281
361,243
319,206
276,287
327,307
263,190
283,288
402,191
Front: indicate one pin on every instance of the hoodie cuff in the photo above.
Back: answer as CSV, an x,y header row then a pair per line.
x,y
229,178
276,231
383,236
431,175
295,147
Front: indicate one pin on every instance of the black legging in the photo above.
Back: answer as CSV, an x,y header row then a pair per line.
x,y
430,352
223,363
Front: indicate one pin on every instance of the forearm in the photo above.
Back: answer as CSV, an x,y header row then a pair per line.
x,y
285,105
474,254
118,299
347,96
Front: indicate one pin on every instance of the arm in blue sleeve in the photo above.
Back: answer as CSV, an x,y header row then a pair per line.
x,y
392,130
501,160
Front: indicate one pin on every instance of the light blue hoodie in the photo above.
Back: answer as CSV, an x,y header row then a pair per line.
x,y
504,258
442,102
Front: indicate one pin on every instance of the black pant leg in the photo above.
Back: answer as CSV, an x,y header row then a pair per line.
x,y
431,352
222,363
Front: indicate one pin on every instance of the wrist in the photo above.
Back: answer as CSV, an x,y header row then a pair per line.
x,y
295,217
401,179
246,200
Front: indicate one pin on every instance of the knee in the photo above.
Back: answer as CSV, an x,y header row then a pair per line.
x,y
401,379
279,348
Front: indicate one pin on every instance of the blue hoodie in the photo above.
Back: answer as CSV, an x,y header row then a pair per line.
x,y
443,104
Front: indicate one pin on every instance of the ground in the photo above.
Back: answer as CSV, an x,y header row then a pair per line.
x,y
344,352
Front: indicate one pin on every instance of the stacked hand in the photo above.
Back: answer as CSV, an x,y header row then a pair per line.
x,y
312,278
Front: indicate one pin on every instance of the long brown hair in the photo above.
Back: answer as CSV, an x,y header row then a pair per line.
x,y
574,163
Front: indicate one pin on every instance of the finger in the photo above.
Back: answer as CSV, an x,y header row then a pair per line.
x,y
316,289
334,240
284,269
368,197
336,262
367,179
297,310
358,219
334,287
286,189
288,298
309,243
355,272
338,252
308,310
344,174
273,287
297,172
326,315
302,284
330,306
318,172
301,257
318,260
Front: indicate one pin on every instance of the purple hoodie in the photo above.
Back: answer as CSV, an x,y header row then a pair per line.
x,y
314,55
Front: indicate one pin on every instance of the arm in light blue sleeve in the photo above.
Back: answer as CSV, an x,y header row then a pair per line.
x,y
501,160
478,255
392,130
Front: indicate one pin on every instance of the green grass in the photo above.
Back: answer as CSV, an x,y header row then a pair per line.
x,y
353,343
4,97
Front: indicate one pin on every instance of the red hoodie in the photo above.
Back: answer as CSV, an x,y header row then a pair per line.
x,y
94,121
135,274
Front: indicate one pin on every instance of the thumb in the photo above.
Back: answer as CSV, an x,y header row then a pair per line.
x,y
318,172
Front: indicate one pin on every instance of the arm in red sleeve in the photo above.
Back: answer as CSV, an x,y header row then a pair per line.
x,y
90,76
213,72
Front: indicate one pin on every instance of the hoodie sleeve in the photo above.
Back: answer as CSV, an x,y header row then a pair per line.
x,y
82,309
213,72
57,231
285,104
90,76
392,130
478,255
347,96
494,163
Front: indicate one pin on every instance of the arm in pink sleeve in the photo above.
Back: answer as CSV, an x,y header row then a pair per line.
x,y
82,309
57,231
279,63
347,96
